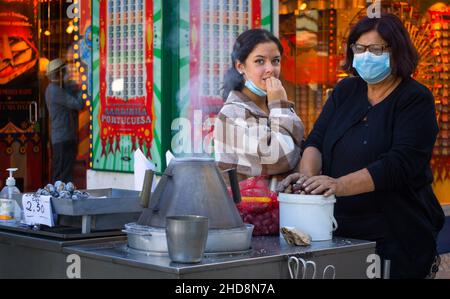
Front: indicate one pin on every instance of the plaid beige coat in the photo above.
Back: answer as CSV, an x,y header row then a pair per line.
x,y
254,143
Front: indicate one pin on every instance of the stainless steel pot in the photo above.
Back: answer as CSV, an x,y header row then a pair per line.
x,y
229,240
193,186
152,239
146,238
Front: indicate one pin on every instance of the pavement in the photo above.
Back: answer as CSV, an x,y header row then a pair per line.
x,y
444,268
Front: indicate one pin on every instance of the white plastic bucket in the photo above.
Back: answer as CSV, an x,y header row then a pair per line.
x,y
312,214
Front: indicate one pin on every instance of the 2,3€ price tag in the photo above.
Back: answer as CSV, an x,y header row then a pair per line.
x,y
37,209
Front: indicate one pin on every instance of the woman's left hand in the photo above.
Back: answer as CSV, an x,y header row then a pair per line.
x,y
323,184
275,90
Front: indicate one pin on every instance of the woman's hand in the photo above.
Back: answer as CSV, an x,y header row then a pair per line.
x,y
323,185
275,90
292,179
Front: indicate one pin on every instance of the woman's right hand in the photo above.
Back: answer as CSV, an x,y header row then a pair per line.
x,y
275,90
296,178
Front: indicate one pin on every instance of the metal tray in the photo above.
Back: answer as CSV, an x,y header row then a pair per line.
x,y
106,209
103,201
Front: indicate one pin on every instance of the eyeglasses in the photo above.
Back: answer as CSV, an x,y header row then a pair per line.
x,y
375,48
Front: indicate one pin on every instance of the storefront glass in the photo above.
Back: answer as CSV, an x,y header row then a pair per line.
x,y
33,33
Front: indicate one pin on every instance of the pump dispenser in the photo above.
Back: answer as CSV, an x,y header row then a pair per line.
x,y
11,181
9,210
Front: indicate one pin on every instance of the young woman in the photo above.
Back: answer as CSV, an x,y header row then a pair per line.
x,y
257,131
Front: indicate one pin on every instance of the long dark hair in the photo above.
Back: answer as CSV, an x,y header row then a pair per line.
x,y
244,45
391,29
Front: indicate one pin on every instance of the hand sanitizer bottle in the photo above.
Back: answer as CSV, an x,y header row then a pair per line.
x,y
9,210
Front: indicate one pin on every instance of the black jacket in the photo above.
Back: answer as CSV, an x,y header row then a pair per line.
x,y
399,167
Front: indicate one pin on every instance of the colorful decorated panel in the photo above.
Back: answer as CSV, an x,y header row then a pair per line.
x,y
207,33
83,62
127,70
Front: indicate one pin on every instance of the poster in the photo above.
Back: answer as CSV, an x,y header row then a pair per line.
x,y
18,74
128,100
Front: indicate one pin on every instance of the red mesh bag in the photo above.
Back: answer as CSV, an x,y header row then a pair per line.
x,y
259,206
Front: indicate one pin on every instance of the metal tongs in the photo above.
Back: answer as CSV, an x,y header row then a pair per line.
x,y
294,268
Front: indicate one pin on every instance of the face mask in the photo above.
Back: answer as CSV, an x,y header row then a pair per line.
x,y
255,89
372,68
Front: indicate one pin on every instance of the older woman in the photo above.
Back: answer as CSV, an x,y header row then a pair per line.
x,y
371,147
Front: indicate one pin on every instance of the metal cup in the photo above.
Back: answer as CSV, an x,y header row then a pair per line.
x,y
186,238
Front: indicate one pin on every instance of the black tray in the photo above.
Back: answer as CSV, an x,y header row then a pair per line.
x,y
61,232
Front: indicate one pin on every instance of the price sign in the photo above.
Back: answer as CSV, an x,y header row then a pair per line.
x,y
37,209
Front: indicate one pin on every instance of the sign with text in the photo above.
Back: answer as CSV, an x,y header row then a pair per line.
x,y
126,78
37,209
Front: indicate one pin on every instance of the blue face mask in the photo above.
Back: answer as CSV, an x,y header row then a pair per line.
x,y
372,68
255,89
